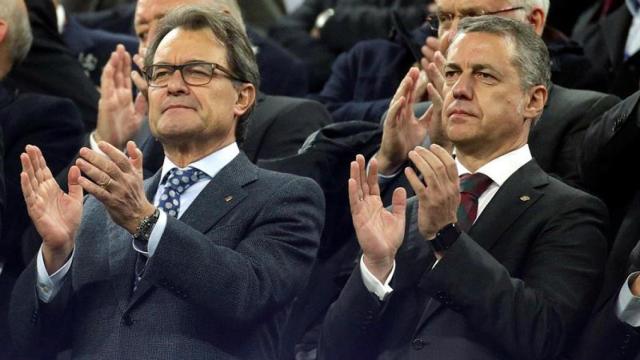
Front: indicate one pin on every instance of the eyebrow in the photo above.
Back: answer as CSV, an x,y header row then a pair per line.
x,y
474,68
465,11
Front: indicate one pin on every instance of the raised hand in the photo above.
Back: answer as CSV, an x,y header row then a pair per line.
x,y
118,119
116,180
439,193
56,215
402,129
435,88
380,232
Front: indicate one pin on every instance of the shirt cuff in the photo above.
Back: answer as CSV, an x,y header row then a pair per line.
x,y
47,285
94,144
156,234
628,307
373,284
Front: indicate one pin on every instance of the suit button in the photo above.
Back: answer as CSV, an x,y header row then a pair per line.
x,y
127,320
418,344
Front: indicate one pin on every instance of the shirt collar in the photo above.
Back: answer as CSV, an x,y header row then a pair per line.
x,y
210,164
502,167
633,6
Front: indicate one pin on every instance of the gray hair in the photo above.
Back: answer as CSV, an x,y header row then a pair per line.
x,y
19,37
240,58
530,56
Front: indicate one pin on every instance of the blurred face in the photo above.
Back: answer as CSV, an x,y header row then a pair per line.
x,y
149,12
204,116
451,11
485,109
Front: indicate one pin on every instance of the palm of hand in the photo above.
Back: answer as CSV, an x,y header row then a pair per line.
x,y
55,214
379,231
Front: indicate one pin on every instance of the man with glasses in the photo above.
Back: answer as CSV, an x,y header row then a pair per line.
x,y
201,260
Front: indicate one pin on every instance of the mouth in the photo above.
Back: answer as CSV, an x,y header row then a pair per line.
x,y
457,113
176,107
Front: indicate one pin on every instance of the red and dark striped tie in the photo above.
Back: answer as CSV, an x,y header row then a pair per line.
x,y
471,187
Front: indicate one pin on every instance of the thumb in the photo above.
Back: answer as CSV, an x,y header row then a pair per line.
x,y
75,189
135,156
399,202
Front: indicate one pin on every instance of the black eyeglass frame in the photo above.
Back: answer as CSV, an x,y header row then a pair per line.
x,y
148,72
433,20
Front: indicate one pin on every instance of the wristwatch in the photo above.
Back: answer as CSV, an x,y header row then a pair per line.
x,y
445,237
143,232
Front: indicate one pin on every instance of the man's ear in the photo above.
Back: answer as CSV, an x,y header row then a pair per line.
x,y
536,101
536,19
246,98
4,30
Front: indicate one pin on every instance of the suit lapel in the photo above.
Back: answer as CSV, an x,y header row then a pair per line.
x,y
222,194
515,196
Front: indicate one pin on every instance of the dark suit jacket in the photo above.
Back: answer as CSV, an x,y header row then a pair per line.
x,y
217,286
93,48
54,125
51,68
610,151
603,42
517,286
277,127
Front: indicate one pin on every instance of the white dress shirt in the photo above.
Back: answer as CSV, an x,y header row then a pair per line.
x,y
628,306
633,38
498,169
49,285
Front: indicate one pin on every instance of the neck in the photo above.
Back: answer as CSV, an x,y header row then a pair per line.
x,y
473,159
184,154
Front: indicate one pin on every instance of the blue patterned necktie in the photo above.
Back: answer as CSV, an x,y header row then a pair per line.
x,y
178,181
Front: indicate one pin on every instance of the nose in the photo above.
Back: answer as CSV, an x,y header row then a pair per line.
x,y
463,87
176,83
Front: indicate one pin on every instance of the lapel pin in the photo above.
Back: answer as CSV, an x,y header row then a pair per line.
x,y
524,198
228,198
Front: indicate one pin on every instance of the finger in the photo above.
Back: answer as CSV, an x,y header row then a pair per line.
x,y
117,156
449,163
94,189
101,162
355,176
362,168
27,190
37,160
27,177
399,202
94,174
435,76
419,188
428,173
27,168
139,81
427,117
439,60
354,195
126,70
372,177
75,189
135,155
106,80
427,54
392,115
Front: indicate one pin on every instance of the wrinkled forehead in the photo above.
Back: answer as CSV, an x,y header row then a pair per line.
x,y
479,47
180,46
471,6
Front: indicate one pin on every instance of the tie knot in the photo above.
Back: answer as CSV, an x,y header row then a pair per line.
x,y
474,184
180,180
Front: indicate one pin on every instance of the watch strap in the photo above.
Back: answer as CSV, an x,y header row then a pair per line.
x,y
445,238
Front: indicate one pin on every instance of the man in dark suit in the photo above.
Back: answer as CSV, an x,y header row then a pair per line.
x,y
517,282
52,123
214,244
610,149
611,43
282,129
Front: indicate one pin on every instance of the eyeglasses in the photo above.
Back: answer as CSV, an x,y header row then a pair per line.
x,y
444,20
197,73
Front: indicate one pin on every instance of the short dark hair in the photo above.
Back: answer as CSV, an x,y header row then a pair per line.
x,y
240,57
530,56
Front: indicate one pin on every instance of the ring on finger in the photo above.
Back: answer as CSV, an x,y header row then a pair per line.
x,y
105,184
